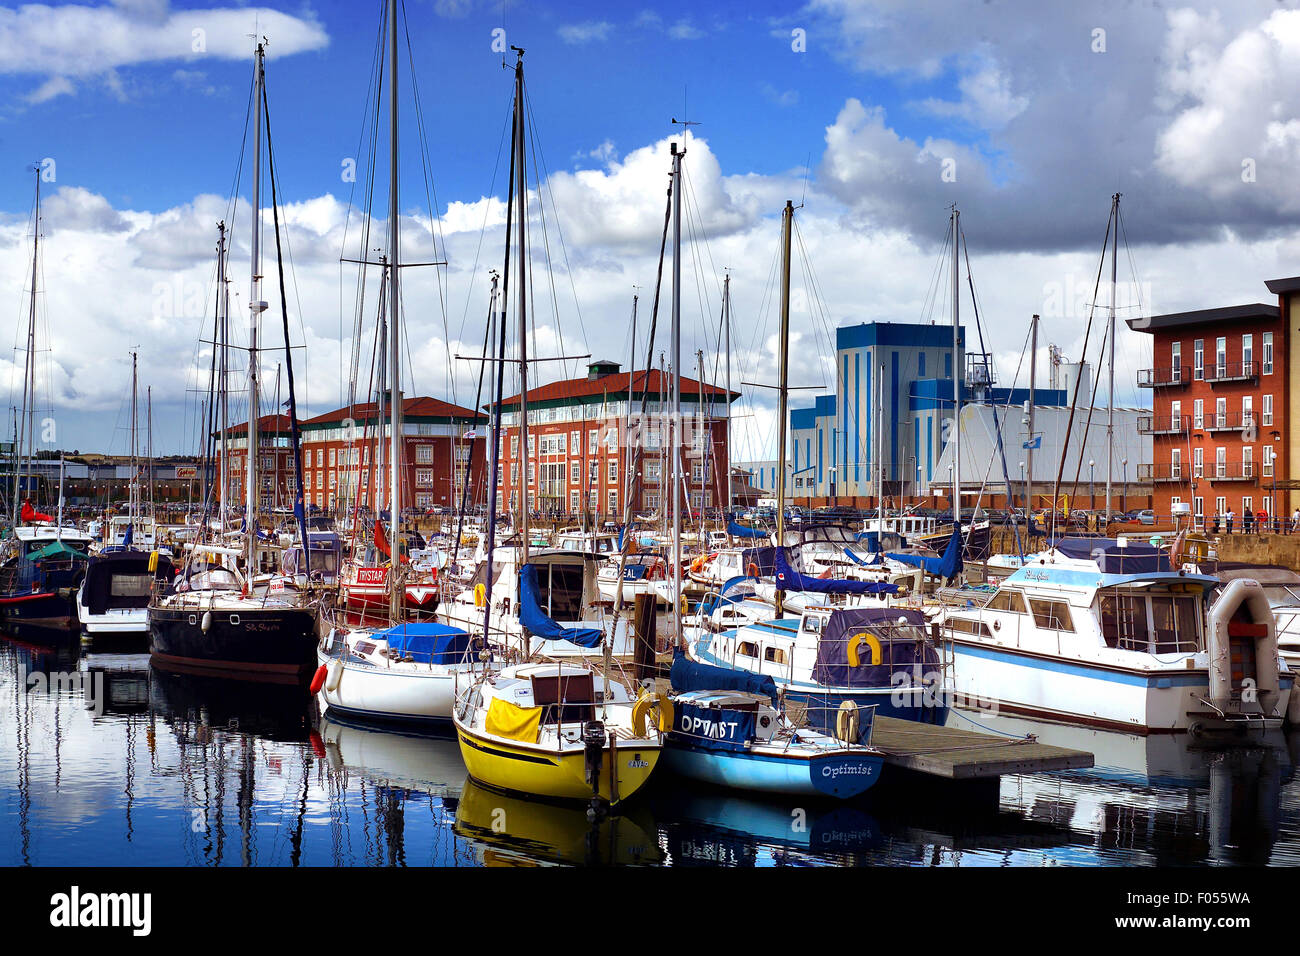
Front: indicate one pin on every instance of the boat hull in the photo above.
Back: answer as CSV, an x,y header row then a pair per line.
x,y
551,775
276,645
47,609
382,695
1132,700
837,774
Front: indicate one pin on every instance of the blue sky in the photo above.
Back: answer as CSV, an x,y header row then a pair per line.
x,y
1041,113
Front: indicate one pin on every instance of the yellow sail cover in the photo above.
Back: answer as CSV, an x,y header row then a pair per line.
x,y
504,719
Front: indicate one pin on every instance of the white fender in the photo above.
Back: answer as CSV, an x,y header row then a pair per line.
x,y
334,674
1248,594
207,621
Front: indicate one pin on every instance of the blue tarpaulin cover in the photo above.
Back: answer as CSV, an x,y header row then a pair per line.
x,y
740,531
902,647
428,643
876,559
687,674
947,565
712,728
791,580
1138,558
537,624
764,559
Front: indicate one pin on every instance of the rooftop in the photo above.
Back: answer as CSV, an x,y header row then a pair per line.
x,y
612,387
1254,312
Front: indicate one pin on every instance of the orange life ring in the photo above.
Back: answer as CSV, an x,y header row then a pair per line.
x,y
752,570
318,681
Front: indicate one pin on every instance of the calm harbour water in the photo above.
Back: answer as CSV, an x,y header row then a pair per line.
x,y
181,770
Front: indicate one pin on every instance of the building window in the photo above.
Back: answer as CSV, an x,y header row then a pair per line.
x,y
320,457
424,454
1247,462
531,473
1220,357
424,476
575,474
1220,413
1247,352
1198,413
613,469
1198,462
1176,464
1247,410
320,480
613,502
1198,509
268,462
1176,358
1268,353
1220,462
1176,415
1267,410
514,446
593,471
333,458
1198,359
1268,460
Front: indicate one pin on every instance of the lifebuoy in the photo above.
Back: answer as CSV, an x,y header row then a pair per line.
x,y
752,570
318,681
480,595
646,703
855,642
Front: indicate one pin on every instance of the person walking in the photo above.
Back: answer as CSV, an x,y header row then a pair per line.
x,y
1295,520
1227,521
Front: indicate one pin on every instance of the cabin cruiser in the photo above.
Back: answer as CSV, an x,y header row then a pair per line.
x,y
1105,633
643,573
596,544
114,595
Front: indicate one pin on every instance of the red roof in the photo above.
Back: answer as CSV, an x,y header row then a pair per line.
x,y
415,407
655,382
266,424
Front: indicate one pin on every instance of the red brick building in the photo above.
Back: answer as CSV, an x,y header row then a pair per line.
x,y
580,443
340,456
1220,418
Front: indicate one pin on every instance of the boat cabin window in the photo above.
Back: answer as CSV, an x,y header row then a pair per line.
x,y
746,649
812,624
966,626
774,654
1007,600
559,590
1052,615
1152,624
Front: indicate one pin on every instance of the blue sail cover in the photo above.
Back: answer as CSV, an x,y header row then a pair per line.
x,y
791,580
687,675
740,531
537,624
903,647
428,643
764,559
947,565
1139,557
876,559
712,728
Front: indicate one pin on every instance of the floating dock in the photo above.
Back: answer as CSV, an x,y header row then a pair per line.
x,y
957,754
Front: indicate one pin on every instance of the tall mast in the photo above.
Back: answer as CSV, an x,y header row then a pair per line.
x,y
28,418
1110,412
223,380
787,221
676,345
255,309
956,380
1033,381
394,336
133,487
704,446
880,463
148,448
521,187
631,384
726,333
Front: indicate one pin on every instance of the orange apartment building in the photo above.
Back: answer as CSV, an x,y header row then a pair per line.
x,y
340,457
1222,407
580,443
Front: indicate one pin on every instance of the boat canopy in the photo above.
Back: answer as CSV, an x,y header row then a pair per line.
x,y
428,643
688,675
865,647
791,580
536,622
122,579
947,565
57,549
740,531
1137,557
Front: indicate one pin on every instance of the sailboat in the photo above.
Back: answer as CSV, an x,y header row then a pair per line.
x,y
836,661
43,560
216,618
114,595
404,671
549,729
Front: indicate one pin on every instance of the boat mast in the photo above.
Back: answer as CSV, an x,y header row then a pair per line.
x,y
521,187
880,464
1033,381
726,333
783,401
631,373
255,309
956,381
148,448
676,346
133,487
394,336
223,380
28,418
1110,412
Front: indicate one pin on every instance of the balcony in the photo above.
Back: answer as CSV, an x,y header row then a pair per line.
x,y
1163,377
1150,424
1232,372
1161,472
1231,471
1229,422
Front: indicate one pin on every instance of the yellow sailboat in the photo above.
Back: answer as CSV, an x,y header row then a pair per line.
x,y
550,730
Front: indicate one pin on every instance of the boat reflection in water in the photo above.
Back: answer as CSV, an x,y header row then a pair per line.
x,y
1162,799
513,831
